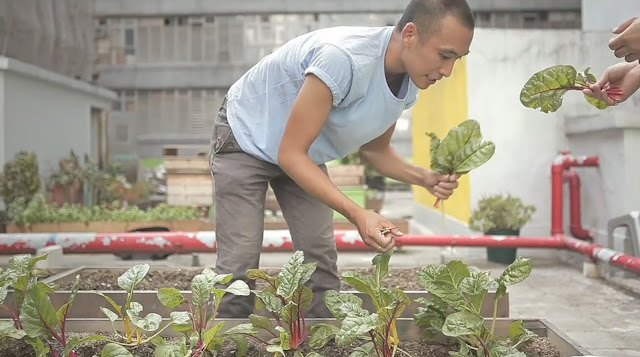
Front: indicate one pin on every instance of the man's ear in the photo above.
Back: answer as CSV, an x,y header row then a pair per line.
x,y
409,33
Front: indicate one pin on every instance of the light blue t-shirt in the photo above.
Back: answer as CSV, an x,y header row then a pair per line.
x,y
350,61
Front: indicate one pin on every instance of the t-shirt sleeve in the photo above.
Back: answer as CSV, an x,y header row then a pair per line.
x,y
333,67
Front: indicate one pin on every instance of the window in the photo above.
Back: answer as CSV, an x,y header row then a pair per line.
x,y
129,43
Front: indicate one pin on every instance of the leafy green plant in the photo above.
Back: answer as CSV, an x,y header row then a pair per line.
x,y
500,212
201,338
20,178
286,298
453,308
546,88
133,323
379,327
37,210
462,150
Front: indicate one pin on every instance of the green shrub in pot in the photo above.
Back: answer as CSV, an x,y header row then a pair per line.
x,y
500,214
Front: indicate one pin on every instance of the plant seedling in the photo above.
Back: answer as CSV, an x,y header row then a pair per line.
x,y
462,150
453,308
379,327
545,89
286,298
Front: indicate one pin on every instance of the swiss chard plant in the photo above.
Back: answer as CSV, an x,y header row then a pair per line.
x,y
202,333
453,308
286,298
462,150
379,326
134,325
545,89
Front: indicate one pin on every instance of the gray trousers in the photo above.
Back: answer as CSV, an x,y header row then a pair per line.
x,y
241,182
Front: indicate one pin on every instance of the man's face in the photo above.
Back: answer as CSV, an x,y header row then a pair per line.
x,y
428,61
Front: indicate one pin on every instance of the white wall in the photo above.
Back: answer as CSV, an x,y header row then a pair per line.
x,y
527,140
600,15
47,113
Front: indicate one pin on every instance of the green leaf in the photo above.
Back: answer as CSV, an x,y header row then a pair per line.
x,y
600,104
62,313
115,305
8,329
75,341
462,323
38,313
109,314
363,283
519,334
546,88
459,136
446,285
115,350
366,350
212,332
354,327
242,345
303,297
238,287
271,302
293,274
335,300
38,346
381,262
257,274
133,277
215,278
169,350
472,156
261,322
180,317
321,334
201,290
435,142
246,329
516,272
171,297
149,323
285,338
506,351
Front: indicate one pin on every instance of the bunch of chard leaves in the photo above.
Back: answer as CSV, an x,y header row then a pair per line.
x,y
203,335
462,150
286,298
135,326
378,327
545,89
453,308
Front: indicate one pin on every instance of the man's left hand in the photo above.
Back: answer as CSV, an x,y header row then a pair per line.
x,y
441,186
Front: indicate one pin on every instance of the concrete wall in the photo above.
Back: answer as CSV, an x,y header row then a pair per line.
x,y
199,7
597,15
46,113
527,140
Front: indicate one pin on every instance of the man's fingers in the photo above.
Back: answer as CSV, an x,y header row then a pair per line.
x,y
631,57
622,52
623,26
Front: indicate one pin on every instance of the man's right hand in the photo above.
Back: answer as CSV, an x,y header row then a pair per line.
x,y
625,76
376,231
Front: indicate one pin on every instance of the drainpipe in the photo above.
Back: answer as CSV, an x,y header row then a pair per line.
x,y
563,162
575,206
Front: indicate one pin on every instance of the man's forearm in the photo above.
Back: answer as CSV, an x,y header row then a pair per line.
x,y
310,177
389,163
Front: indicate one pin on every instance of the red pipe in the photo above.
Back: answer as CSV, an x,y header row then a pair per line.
x,y
191,242
575,206
563,162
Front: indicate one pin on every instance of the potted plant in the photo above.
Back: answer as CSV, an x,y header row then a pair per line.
x,y
500,215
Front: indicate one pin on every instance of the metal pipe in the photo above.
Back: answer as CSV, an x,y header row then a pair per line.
x,y
280,240
575,206
563,162
598,252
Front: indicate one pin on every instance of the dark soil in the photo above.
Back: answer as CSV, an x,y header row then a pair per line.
x,y
538,347
107,279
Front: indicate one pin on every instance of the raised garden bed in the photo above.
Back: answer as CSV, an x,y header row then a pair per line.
x,y
550,342
104,280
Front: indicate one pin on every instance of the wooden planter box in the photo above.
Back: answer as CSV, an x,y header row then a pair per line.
x,y
87,301
407,330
